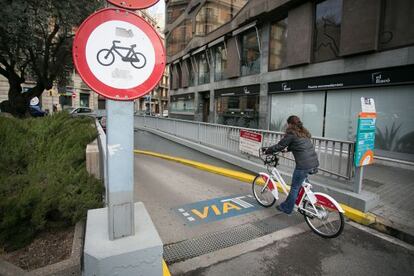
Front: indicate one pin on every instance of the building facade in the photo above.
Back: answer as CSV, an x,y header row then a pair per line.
x,y
254,63
155,102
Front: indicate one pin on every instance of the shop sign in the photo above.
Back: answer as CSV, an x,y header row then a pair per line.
x,y
250,142
238,91
386,76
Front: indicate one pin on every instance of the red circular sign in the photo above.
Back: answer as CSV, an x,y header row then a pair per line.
x,y
133,4
118,54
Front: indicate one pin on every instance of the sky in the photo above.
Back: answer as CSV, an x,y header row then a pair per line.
x,y
158,11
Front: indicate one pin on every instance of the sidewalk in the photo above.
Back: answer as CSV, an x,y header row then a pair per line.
x,y
395,186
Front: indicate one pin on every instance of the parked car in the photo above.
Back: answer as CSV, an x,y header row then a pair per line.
x,y
80,111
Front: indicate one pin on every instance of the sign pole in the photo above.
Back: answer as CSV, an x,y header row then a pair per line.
x,y
359,176
120,239
120,148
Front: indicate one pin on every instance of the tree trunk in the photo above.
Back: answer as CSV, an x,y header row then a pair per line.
x,y
18,103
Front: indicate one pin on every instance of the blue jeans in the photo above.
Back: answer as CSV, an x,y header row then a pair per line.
x,y
297,180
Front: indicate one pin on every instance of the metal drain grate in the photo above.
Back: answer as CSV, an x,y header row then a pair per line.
x,y
211,242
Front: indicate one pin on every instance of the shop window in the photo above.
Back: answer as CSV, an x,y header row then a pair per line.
x,y
250,53
240,111
214,14
188,63
395,123
220,62
397,28
203,68
309,106
65,101
182,105
328,18
278,44
175,8
84,100
179,37
179,74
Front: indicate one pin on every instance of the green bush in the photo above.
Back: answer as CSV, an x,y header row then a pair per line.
x,y
43,179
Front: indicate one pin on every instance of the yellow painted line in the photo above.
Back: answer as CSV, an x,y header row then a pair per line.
x,y
351,213
214,169
358,216
165,270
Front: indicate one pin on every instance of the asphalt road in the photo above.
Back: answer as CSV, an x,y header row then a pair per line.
x,y
165,186
355,252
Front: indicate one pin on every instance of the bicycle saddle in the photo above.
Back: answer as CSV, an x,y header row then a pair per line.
x,y
116,41
133,45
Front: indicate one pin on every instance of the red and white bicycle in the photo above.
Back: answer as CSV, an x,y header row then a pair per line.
x,y
321,212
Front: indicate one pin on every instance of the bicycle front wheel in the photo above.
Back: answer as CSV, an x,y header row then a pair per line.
x,y
262,194
329,223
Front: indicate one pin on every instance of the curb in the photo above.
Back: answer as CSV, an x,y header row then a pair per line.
x,y
165,270
351,213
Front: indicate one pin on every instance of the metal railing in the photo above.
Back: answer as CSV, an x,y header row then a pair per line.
x,y
335,156
102,157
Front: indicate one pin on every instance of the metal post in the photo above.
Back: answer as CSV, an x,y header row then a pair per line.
x,y
120,160
359,176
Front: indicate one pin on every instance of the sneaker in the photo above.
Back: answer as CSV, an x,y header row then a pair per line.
x,y
279,208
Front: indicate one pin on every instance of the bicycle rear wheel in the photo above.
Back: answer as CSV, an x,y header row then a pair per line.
x,y
140,60
262,194
329,225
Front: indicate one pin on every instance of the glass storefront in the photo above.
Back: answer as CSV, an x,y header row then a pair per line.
x,y
395,120
278,44
214,14
327,35
240,111
250,53
179,37
220,62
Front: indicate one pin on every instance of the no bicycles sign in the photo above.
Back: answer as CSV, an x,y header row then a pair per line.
x,y
118,54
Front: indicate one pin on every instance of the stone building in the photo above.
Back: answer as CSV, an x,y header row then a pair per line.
x,y
253,63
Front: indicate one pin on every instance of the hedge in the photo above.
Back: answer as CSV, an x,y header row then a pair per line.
x,y
43,179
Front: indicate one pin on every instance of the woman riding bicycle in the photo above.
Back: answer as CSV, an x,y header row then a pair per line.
x,y
297,140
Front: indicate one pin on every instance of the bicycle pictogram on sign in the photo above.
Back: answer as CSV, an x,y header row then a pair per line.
x,y
106,57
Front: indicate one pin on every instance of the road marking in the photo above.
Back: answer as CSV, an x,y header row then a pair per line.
x,y
217,209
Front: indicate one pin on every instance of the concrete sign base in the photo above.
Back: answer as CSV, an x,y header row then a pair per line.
x,y
140,254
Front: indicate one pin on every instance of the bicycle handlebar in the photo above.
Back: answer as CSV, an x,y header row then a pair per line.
x,y
269,159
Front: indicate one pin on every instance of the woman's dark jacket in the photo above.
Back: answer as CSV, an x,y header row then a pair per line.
x,y
302,149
